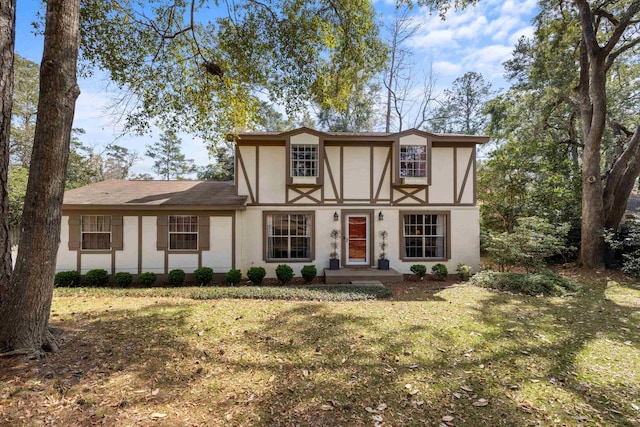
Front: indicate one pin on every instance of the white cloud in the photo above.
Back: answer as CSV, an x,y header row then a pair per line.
x,y
445,68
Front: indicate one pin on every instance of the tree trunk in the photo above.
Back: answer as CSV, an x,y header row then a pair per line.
x,y
620,182
7,41
25,313
593,114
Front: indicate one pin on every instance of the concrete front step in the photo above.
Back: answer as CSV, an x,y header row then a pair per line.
x,y
348,275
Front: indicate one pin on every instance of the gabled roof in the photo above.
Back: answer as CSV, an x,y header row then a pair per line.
x,y
120,194
364,136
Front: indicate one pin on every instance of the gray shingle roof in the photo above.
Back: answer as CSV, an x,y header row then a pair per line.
x,y
156,194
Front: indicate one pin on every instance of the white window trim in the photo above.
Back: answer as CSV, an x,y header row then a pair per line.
x,y
316,161
183,232
82,232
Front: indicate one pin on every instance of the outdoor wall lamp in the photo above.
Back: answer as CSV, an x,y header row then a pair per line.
x,y
380,216
335,216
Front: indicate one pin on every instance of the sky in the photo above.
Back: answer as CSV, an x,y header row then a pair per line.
x,y
478,38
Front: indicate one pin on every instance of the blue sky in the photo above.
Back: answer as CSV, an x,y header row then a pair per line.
x,y
479,39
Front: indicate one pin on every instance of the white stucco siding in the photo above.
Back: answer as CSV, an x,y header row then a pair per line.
x,y
463,157
305,138
333,159
465,238
272,179
66,260
219,257
380,155
441,189
248,154
186,262
357,171
127,258
413,140
91,261
152,259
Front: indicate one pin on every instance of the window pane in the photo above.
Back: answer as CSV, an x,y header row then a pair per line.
x,y
183,241
97,241
424,236
288,236
304,160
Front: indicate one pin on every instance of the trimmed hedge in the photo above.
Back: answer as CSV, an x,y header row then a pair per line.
x,y
147,279
546,283
419,270
123,279
203,276
256,274
67,279
308,273
439,272
284,273
233,277
176,277
96,278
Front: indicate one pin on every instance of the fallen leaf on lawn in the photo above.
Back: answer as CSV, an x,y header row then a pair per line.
x,y
305,373
408,386
511,329
414,391
272,378
636,407
480,402
413,367
377,418
447,418
382,407
467,389
457,395
370,410
327,408
155,392
628,343
157,415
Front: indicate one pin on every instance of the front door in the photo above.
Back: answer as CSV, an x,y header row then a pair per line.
x,y
357,237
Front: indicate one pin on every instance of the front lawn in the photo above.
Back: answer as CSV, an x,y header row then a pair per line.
x,y
462,356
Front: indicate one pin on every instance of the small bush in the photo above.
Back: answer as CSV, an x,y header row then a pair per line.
x,y
97,278
203,276
147,279
419,270
464,272
309,272
233,277
546,283
176,277
123,279
284,273
439,272
256,274
67,279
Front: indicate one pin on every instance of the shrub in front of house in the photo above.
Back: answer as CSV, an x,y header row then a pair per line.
x,y
96,278
67,279
284,273
123,279
203,276
439,272
256,274
233,277
548,283
464,272
147,279
419,270
308,273
176,277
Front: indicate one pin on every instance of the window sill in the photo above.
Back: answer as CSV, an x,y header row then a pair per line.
x,y
424,259
183,251
96,251
283,260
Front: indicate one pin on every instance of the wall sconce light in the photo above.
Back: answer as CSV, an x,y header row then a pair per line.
x,y
380,216
335,216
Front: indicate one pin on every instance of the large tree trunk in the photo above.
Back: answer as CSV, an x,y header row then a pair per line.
x,y
622,178
25,313
7,41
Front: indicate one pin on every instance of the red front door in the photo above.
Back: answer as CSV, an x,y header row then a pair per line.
x,y
357,248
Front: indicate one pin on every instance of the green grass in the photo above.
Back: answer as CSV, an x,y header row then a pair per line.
x,y
161,358
300,293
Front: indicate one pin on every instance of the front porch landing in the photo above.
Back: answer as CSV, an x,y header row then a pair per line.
x,y
348,275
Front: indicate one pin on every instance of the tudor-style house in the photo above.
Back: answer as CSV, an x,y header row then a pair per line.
x,y
291,190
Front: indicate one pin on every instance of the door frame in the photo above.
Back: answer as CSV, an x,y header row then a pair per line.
x,y
370,238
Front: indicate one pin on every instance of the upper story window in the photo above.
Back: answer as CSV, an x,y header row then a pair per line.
x,y
183,232
96,232
413,161
304,160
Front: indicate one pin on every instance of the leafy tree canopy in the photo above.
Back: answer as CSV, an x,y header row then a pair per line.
x,y
205,74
